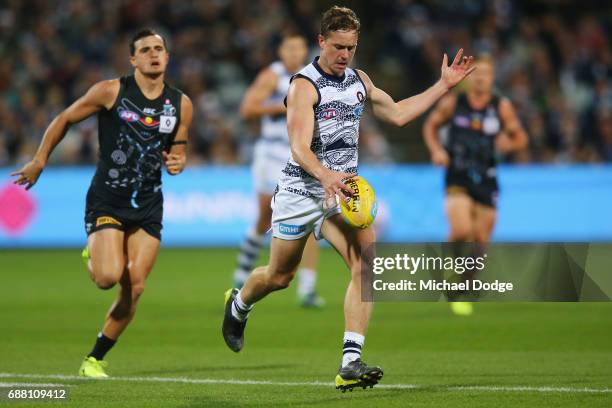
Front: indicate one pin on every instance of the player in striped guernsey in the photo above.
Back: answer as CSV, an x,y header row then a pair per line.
x,y
324,106
264,100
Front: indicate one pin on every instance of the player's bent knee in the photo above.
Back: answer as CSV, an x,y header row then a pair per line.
x,y
106,276
105,282
356,271
280,281
137,290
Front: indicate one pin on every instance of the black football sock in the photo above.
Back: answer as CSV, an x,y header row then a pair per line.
x,y
102,346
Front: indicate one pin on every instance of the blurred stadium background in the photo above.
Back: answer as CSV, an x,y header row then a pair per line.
x,y
554,61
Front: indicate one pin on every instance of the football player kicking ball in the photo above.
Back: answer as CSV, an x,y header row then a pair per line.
x,y
142,124
264,99
324,106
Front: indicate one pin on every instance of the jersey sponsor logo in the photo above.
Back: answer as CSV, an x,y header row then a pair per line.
x,y
149,111
289,229
358,111
328,114
106,220
166,124
491,125
128,115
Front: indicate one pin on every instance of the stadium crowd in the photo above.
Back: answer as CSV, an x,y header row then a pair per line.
x,y
554,63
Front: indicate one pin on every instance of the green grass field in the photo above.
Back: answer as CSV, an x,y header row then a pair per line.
x,y
173,355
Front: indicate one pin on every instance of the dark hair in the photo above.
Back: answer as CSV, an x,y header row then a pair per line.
x,y
339,19
145,32
279,39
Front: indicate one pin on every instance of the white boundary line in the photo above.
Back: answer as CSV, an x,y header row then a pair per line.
x,y
184,380
29,384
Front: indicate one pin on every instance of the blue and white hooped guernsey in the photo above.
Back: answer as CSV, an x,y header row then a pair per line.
x,y
336,130
274,141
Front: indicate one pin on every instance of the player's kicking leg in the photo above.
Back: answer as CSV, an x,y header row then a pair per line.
x,y
285,256
135,253
352,245
251,248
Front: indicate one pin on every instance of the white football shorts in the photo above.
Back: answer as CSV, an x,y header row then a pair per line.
x,y
295,216
267,167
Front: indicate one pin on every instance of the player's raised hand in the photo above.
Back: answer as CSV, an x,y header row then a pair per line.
x,y
175,163
28,175
333,183
459,69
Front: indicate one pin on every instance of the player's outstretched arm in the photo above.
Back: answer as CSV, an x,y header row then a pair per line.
x,y
99,96
254,104
301,99
436,119
176,158
402,112
513,138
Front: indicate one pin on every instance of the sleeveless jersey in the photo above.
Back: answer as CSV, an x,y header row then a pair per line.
x,y
274,141
471,141
337,114
132,136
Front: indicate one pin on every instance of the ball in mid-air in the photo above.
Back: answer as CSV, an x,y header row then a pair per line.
x,y
360,210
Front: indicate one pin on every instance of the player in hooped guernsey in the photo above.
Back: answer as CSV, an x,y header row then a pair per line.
x,y
324,106
142,126
480,124
264,100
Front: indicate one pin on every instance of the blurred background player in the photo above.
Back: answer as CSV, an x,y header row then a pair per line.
x,y
143,124
325,103
481,124
264,100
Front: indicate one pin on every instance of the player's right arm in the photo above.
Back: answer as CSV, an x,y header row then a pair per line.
x,y
99,96
254,104
301,99
436,119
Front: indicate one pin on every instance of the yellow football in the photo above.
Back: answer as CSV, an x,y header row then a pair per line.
x,y
360,211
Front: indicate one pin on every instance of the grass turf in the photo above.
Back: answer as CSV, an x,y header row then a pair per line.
x,y
50,313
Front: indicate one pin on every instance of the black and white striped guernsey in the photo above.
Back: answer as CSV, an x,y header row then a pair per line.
x,y
340,105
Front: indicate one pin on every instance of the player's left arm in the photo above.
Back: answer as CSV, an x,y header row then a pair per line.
x,y
176,158
513,137
404,111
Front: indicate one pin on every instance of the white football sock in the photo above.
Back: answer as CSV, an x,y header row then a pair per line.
x,y
240,310
351,348
307,280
